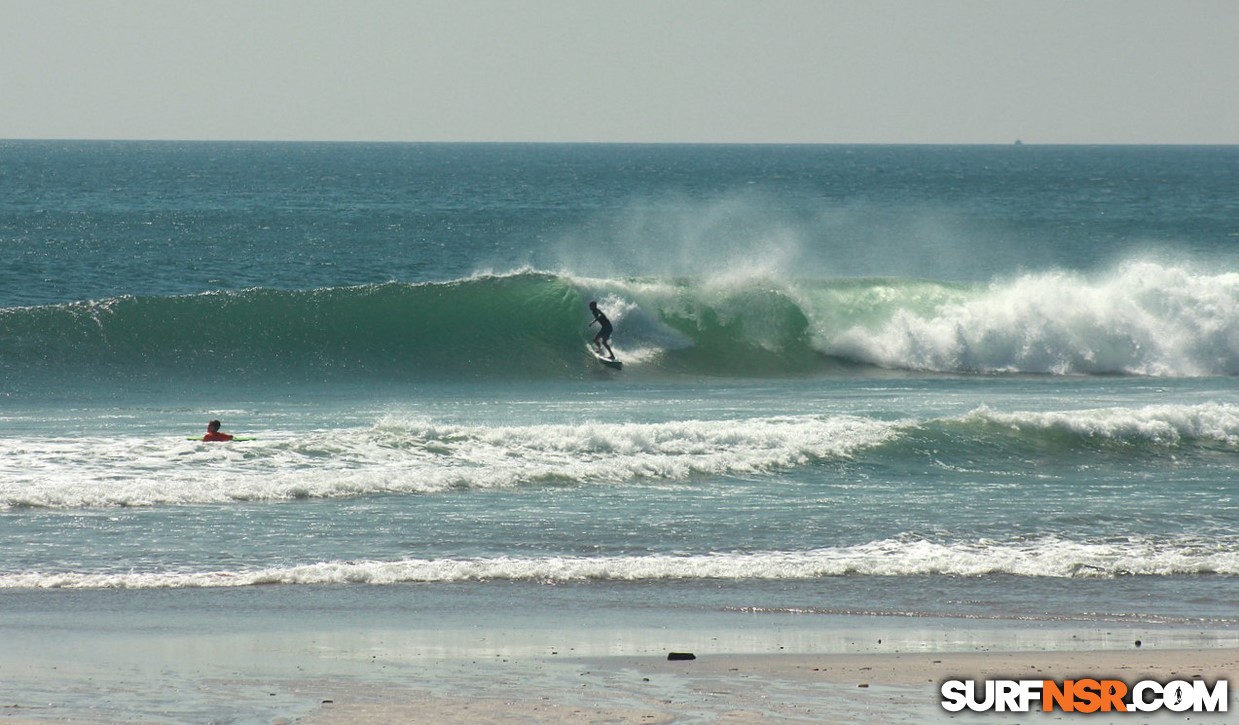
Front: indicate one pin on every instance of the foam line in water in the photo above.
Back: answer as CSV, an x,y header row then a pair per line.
x,y
901,557
413,456
419,456
1153,425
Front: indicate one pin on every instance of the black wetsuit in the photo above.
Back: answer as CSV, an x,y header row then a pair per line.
x,y
604,332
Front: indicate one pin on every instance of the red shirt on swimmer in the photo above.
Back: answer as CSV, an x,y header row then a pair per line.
x,y
213,433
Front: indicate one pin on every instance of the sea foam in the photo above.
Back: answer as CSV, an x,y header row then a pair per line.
x,y
1144,318
413,456
422,456
1153,425
1041,557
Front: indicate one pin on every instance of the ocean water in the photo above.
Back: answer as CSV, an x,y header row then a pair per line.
x,y
972,383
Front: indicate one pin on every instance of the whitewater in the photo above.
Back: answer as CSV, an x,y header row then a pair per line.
x,y
422,456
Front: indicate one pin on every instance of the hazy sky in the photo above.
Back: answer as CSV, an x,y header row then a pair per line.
x,y
829,71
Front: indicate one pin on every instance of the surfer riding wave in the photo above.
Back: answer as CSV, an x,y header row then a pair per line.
x,y
603,338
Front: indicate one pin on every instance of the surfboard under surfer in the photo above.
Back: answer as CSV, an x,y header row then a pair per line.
x,y
603,338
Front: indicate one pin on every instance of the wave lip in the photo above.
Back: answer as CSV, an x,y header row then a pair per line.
x,y
901,557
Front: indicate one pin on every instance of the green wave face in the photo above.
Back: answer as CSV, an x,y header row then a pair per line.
x,y
524,324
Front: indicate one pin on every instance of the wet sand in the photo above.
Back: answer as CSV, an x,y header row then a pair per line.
x,y
747,688
504,654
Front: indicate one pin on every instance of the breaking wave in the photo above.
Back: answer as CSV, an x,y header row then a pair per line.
x,y
1045,557
1143,318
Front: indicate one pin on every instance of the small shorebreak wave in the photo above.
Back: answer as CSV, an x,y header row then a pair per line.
x,y
1143,318
1050,557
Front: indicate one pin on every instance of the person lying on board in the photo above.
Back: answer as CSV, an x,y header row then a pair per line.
x,y
213,433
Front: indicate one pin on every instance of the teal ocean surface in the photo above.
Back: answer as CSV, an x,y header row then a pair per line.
x,y
981,383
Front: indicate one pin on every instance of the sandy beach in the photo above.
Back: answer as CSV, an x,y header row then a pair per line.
x,y
532,654
537,654
830,688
